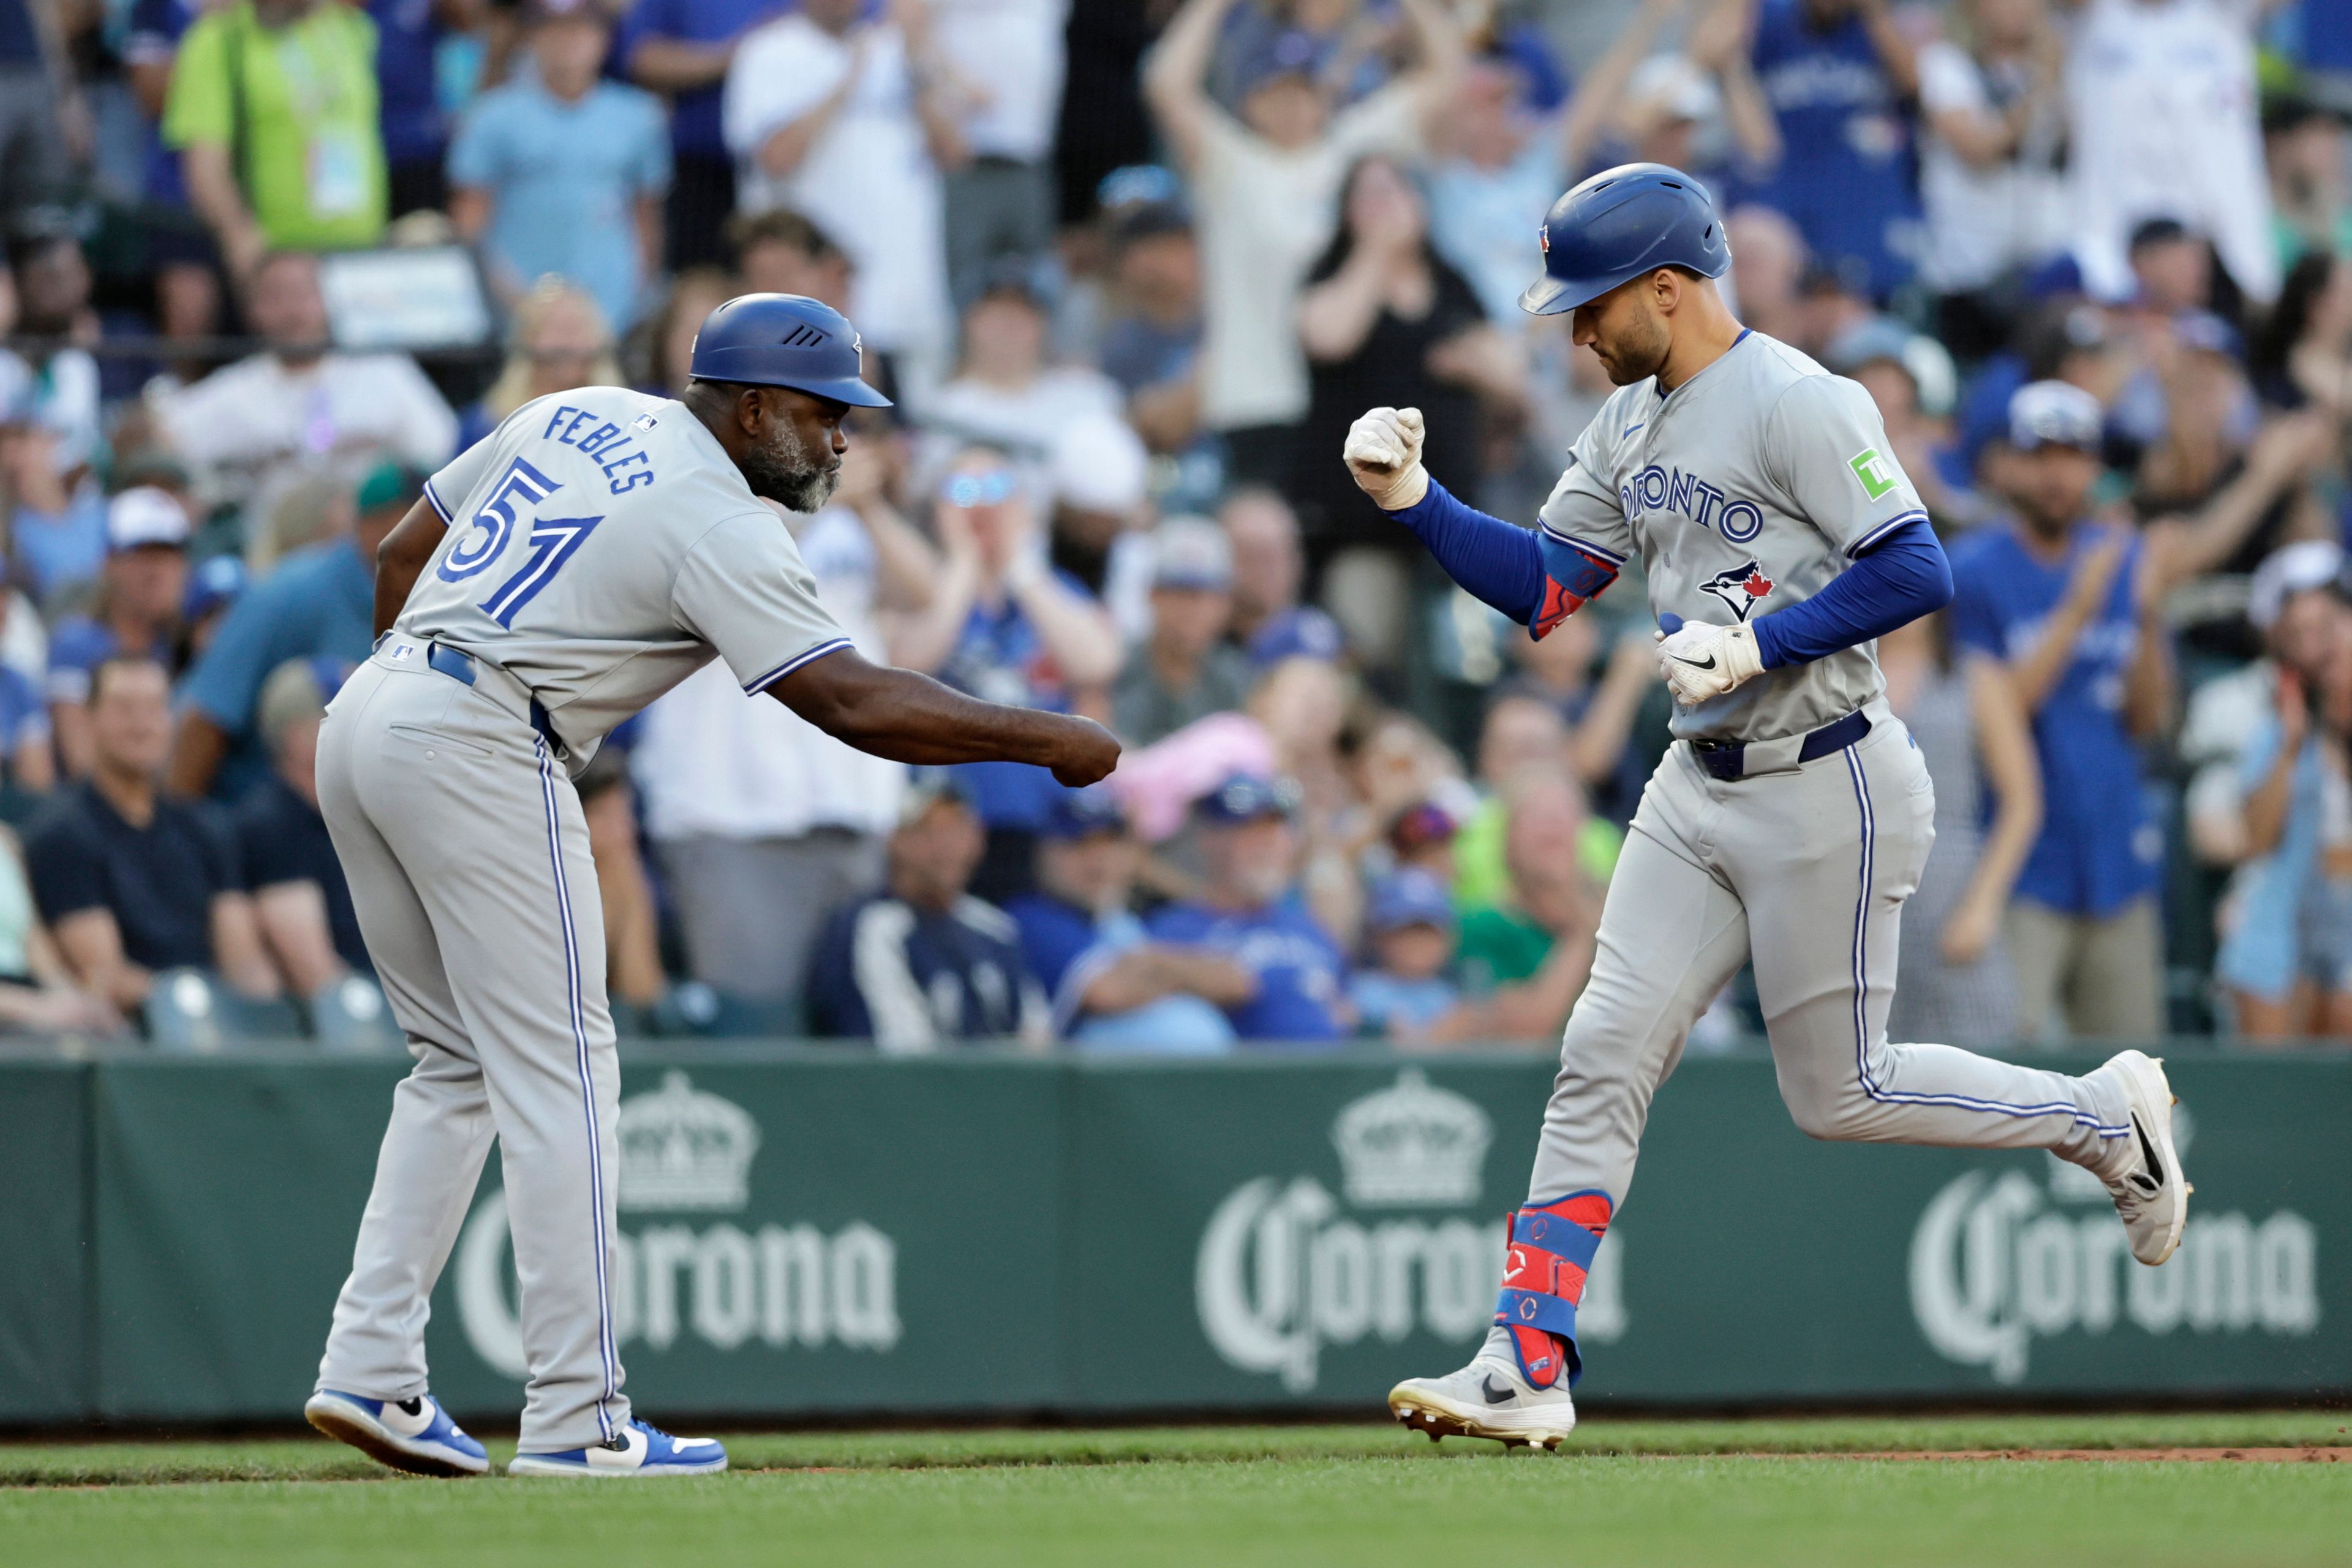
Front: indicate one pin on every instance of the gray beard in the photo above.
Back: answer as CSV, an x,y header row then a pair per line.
x,y
781,472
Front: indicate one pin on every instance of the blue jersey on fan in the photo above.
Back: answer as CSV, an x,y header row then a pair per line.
x,y
1846,177
1298,967
2100,847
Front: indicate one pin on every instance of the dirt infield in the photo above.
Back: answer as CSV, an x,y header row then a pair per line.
x,y
2145,1455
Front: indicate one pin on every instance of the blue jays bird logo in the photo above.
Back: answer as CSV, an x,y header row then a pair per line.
x,y
1739,588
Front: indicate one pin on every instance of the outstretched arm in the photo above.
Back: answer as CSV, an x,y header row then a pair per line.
x,y
911,718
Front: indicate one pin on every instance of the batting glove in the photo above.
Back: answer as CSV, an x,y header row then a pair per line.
x,y
1383,453
1701,661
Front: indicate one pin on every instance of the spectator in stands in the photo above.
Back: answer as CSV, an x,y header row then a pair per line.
x,y
1913,383
318,602
2055,598
297,396
1600,714
38,994
1768,264
1004,392
2311,196
181,257
560,170
2164,102
1409,937
558,342
1524,957
1990,165
1269,565
1955,984
1383,320
1184,669
54,321
682,48
1151,344
44,124
1004,62
273,109
2303,353
131,880
761,824
409,35
1250,909
300,901
1112,987
1838,75
663,346
1266,191
135,612
1007,625
1525,735
26,748
781,252
922,963
847,122
56,530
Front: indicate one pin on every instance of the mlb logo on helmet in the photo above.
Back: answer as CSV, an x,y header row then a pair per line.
x,y
1740,587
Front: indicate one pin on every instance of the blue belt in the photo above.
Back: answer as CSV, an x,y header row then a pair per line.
x,y
459,666
1728,760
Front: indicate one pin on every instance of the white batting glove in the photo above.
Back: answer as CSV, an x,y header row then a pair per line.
x,y
1383,453
1701,661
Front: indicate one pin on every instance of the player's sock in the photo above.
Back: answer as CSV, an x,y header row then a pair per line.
x,y
1551,1249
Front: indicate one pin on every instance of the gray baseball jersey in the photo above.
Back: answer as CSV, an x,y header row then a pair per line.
x,y
1744,491
601,546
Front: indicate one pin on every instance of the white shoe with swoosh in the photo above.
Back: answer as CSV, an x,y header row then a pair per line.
x,y
1489,1398
2151,1194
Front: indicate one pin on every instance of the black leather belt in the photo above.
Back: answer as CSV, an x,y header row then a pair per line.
x,y
1728,760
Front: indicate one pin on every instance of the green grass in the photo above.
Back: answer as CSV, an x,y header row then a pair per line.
x,y
1652,1492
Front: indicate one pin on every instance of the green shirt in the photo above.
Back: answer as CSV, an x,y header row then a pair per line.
x,y
296,106
1499,946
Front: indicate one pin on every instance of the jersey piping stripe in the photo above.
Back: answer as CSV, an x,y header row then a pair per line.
x,y
607,1351
1602,550
1870,1086
794,663
438,504
1903,520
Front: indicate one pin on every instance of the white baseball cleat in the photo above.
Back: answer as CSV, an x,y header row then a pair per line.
x,y
2151,1194
1489,1398
638,1450
413,1435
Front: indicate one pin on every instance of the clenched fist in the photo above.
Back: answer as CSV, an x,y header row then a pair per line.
x,y
1084,752
1383,453
1701,662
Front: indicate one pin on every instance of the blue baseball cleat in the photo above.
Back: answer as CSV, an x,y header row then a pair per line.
x,y
413,1435
638,1451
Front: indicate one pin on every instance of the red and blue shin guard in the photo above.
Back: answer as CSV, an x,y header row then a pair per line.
x,y
1551,1250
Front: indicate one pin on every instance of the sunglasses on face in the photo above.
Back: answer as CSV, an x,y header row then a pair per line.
x,y
989,488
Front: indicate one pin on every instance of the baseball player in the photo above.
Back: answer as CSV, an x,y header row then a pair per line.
x,y
1779,537
591,553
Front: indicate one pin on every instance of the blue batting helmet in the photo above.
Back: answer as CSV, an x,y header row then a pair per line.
x,y
1618,224
783,340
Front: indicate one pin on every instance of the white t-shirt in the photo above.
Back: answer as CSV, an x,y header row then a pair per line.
x,y
710,760
1026,424
257,411
1008,57
1262,216
1981,222
868,181
2165,124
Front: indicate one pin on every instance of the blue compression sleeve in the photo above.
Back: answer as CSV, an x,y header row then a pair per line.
x,y
1496,561
1896,581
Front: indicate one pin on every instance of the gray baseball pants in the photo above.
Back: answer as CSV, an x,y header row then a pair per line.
x,y
1802,867
467,858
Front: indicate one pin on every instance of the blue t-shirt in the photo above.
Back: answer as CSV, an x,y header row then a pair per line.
x,y
1065,947
318,601
2100,847
407,34
2258,951
1001,659
563,179
58,550
1846,177
694,124
1298,967
1385,1004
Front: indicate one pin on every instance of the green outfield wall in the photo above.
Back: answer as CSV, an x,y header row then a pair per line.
x,y
807,1232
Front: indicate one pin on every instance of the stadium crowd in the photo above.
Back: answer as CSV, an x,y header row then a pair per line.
x,y
1131,267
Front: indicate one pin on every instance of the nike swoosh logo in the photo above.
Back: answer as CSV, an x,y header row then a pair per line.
x,y
1707,663
1630,428
1495,1395
2148,1153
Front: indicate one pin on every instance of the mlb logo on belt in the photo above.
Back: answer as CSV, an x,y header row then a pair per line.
x,y
1739,588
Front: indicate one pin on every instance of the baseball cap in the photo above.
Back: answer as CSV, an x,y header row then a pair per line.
x,y
1417,827
926,789
212,584
1673,82
2296,569
1082,814
1408,898
2054,413
1030,279
143,515
1132,184
1242,798
1192,553
388,484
